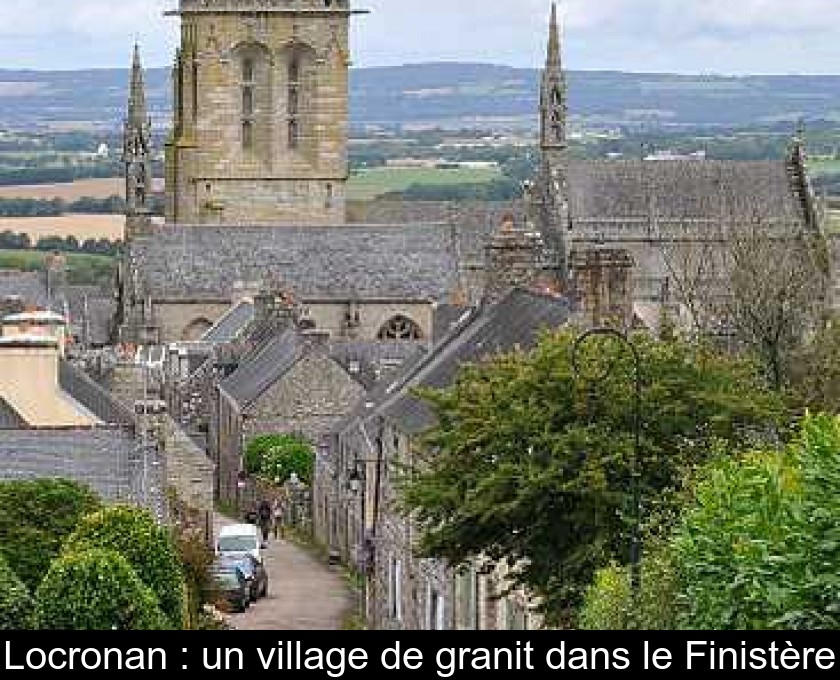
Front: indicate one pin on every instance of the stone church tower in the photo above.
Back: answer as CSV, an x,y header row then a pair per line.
x,y
261,113
547,198
137,155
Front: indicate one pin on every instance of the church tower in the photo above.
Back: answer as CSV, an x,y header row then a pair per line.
x,y
548,198
260,113
137,155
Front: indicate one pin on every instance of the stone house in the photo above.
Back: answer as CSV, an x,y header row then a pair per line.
x,y
291,384
355,496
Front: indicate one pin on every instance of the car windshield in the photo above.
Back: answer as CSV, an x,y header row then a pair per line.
x,y
244,566
227,579
237,543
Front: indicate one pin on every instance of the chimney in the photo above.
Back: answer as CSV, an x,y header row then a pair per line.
x,y
29,384
274,309
514,260
602,280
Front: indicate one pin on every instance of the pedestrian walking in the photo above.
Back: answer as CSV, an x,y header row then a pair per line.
x,y
265,518
277,511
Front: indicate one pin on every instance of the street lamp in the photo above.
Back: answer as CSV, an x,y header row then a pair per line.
x,y
635,475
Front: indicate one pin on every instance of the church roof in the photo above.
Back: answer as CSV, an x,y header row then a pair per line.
x,y
624,190
416,261
514,322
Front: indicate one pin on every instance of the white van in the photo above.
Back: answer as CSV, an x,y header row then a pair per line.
x,y
240,539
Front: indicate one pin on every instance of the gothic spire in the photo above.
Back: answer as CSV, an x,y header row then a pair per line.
x,y
553,60
137,94
553,90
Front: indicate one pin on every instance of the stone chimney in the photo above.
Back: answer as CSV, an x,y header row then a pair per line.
x,y
602,280
274,308
514,260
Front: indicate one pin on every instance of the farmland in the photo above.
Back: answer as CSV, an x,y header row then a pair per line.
x,y
71,191
81,268
368,184
81,226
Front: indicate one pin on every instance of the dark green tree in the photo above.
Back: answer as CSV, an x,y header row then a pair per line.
x,y
96,590
16,605
532,465
148,547
35,518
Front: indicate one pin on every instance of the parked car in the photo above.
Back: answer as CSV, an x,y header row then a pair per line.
x,y
230,586
254,571
240,539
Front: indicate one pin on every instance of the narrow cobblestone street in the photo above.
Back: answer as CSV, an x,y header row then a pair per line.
x,y
303,594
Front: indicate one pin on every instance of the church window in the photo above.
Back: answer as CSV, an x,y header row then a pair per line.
x,y
400,328
328,201
247,135
294,101
248,103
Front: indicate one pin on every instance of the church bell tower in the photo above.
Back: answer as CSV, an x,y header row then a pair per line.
x,y
260,113
548,197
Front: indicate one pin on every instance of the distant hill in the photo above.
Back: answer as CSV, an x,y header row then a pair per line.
x,y
456,94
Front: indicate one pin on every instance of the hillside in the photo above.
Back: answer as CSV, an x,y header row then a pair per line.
x,y
455,94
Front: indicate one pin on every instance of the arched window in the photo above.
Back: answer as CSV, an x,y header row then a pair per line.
x,y
196,329
400,328
248,84
294,101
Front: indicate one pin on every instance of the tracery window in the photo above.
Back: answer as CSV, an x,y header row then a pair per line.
x,y
400,328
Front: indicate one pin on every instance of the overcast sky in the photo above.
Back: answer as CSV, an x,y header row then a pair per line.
x,y
689,36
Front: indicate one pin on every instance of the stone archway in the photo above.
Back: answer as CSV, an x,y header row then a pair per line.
x,y
400,327
196,329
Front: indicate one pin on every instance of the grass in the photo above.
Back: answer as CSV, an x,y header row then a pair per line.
x,y
82,269
366,185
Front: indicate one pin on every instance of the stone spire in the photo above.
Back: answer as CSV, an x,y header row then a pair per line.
x,y
553,93
137,95
547,198
137,154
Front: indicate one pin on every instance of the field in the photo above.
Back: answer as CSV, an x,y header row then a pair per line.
x,y
824,167
366,185
81,226
82,268
95,188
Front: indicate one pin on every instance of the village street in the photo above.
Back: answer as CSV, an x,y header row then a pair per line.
x,y
303,594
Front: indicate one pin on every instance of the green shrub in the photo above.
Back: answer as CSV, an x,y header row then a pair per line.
x,y
196,558
760,545
16,606
277,457
96,590
35,519
148,547
609,605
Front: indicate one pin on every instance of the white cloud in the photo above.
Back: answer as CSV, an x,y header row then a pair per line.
x,y
687,35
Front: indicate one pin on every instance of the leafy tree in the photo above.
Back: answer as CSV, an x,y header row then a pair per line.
x,y
35,518
148,547
815,370
96,590
528,465
759,547
16,605
277,457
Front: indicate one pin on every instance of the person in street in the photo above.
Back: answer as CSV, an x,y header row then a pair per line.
x,y
265,513
277,511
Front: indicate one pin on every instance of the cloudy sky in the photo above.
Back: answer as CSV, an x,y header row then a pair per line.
x,y
690,36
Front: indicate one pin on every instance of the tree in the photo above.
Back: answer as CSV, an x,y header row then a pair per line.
x,y
758,284
759,546
528,466
16,605
277,457
815,370
35,518
148,547
96,590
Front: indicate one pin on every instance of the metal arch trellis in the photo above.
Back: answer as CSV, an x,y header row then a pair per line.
x,y
635,479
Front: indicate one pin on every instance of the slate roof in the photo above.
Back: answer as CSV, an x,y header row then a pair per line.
x,y
10,419
606,190
368,361
106,460
515,321
29,287
95,398
232,324
262,369
416,261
